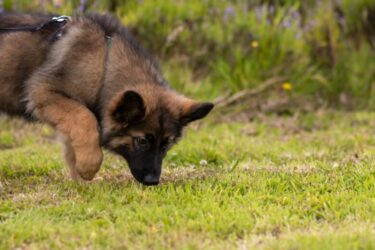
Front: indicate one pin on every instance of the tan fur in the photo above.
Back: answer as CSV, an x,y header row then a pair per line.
x,y
76,123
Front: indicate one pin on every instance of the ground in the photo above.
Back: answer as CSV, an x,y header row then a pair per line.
x,y
302,181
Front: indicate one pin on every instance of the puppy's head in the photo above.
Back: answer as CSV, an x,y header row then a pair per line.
x,y
142,125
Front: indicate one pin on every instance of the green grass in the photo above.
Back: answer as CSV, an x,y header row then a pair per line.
x,y
305,181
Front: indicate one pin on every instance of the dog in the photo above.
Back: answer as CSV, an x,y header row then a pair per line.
x,y
89,79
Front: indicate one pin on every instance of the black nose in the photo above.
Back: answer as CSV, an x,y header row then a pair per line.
x,y
150,180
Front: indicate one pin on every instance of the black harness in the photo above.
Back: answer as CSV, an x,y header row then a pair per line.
x,y
53,26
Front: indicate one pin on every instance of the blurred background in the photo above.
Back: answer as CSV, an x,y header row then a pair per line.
x,y
265,55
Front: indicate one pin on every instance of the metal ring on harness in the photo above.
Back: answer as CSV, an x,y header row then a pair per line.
x,y
61,18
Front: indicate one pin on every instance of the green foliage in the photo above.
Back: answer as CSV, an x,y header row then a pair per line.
x,y
323,48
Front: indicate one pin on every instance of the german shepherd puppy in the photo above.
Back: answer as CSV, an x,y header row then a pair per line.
x,y
97,87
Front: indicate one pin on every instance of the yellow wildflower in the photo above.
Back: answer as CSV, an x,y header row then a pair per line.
x,y
254,44
154,229
287,86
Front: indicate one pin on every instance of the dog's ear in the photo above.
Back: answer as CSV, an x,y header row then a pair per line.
x,y
193,111
130,108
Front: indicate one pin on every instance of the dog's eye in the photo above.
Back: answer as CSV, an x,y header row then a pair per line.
x,y
150,138
142,141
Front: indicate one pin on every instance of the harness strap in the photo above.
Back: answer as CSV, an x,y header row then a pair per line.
x,y
108,46
55,23
96,108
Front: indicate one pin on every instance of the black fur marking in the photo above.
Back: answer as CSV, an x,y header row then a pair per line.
x,y
197,113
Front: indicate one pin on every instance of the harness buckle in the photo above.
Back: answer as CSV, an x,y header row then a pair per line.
x,y
61,19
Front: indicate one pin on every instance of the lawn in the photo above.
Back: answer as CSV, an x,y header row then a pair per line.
x,y
303,181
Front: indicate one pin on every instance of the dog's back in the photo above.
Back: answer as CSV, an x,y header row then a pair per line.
x,y
22,53
15,20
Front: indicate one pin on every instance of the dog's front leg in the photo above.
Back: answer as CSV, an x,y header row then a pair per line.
x,y
70,158
75,123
